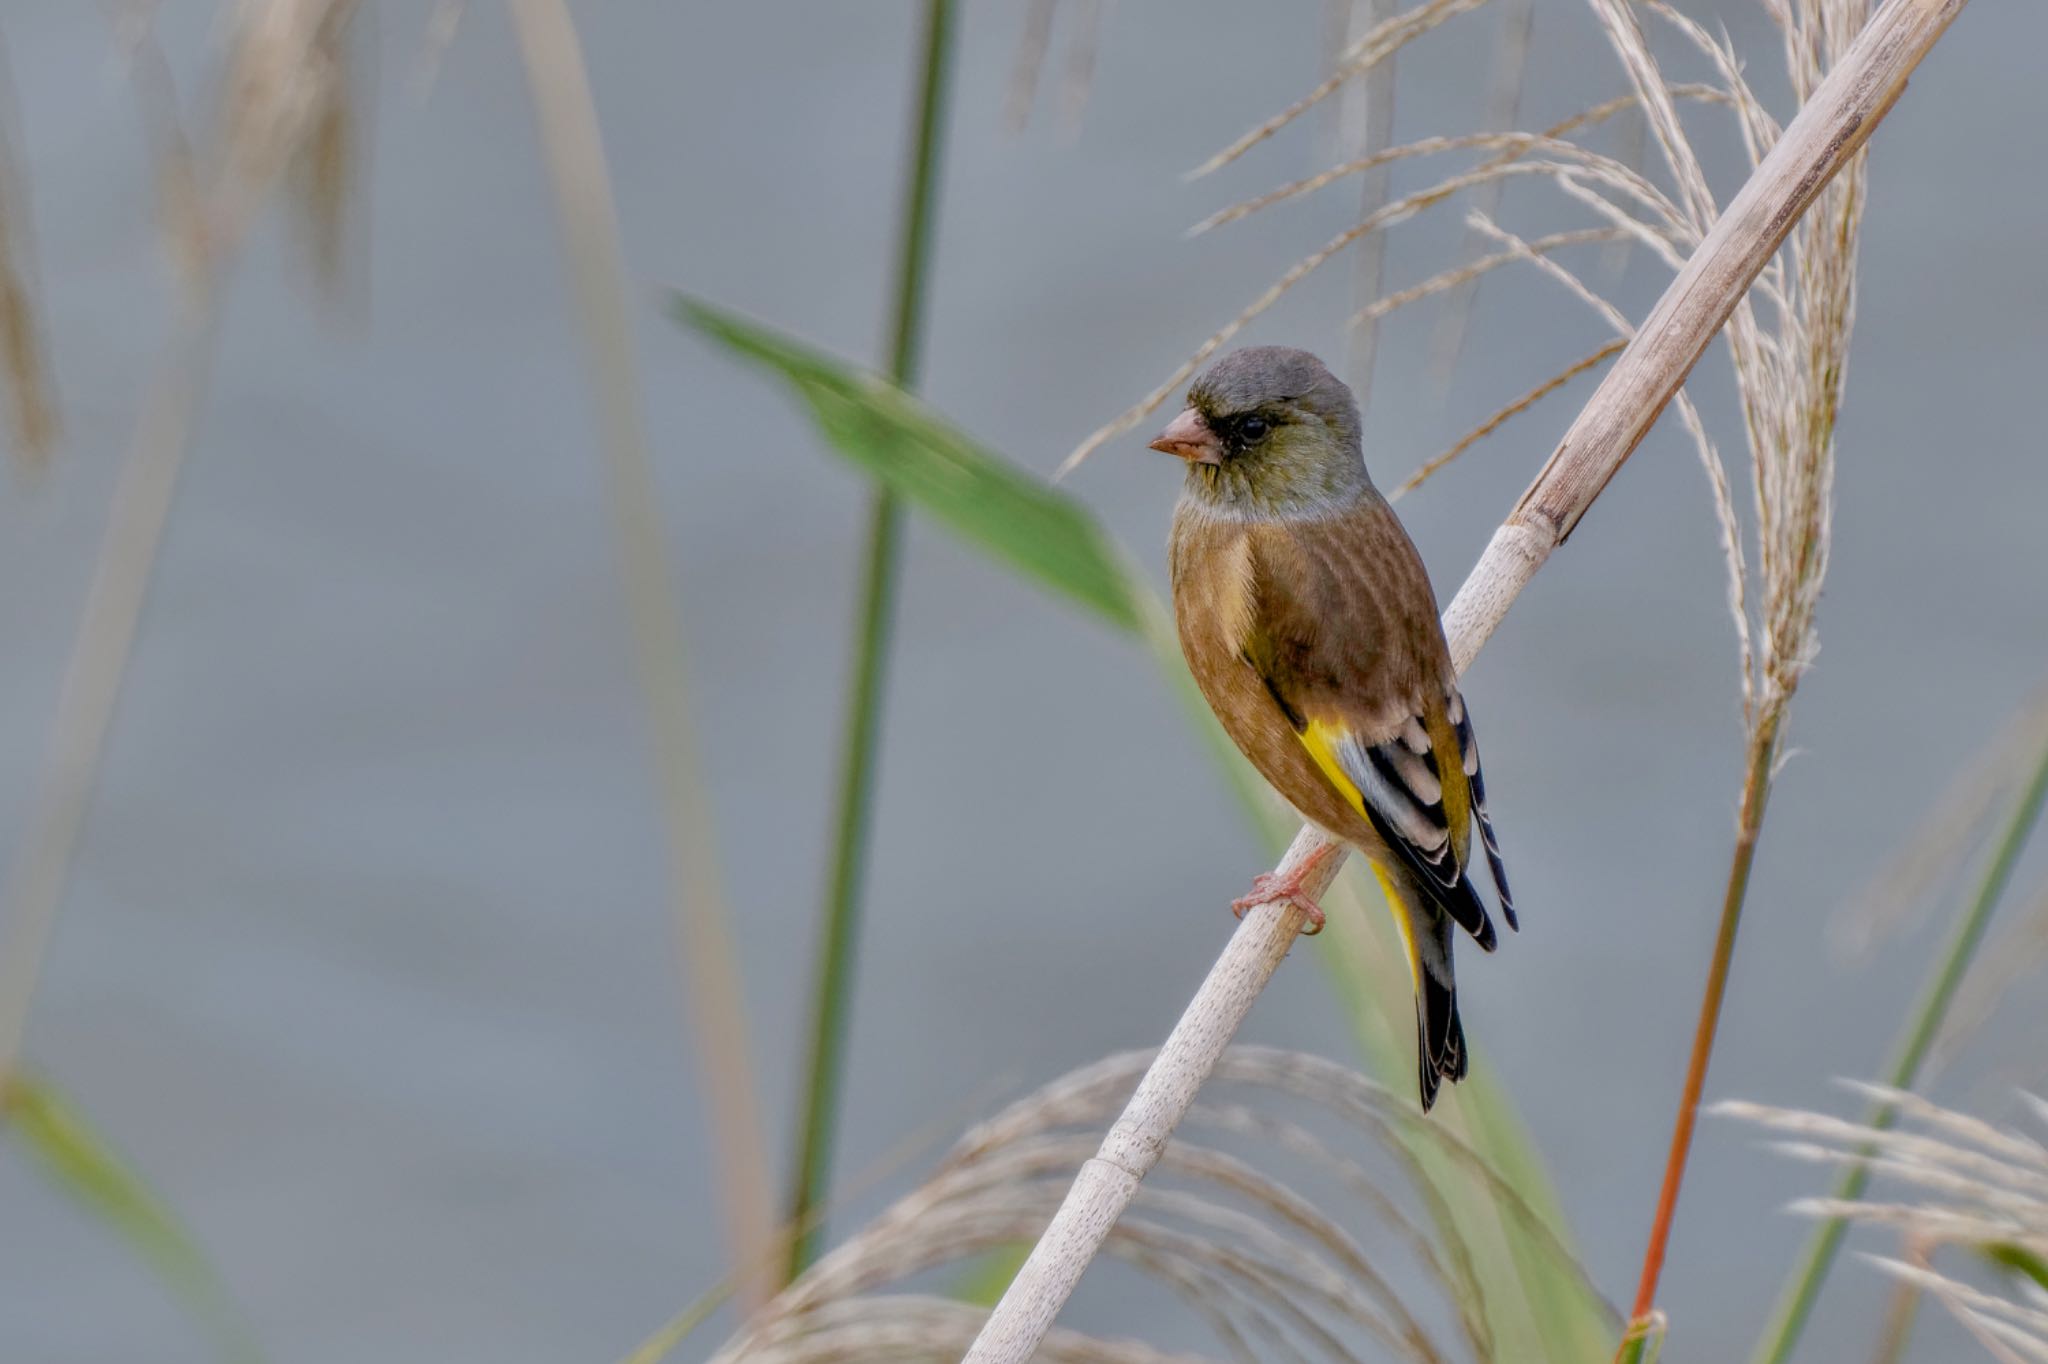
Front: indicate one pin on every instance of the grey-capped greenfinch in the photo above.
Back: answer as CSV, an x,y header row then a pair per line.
x,y
1308,621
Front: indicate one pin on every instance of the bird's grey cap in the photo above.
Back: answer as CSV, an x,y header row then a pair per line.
x,y
1257,375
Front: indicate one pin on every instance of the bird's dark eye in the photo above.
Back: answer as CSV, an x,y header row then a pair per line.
x,y
1253,428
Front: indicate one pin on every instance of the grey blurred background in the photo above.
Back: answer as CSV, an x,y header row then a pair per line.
x,y
365,961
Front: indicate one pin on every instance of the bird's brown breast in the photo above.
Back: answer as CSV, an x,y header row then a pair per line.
x,y
1217,565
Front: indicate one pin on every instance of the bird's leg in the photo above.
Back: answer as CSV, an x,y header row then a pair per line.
x,y
1269,886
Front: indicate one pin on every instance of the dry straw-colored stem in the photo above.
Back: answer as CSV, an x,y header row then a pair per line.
x,y
24,354
1828,131
566,116
286,64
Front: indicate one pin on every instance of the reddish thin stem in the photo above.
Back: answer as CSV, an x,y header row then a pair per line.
x,y
1756,791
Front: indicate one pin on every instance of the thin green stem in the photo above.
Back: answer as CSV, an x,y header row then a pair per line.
x,y
1756,792
839,933
1643,1342
1921,1030
839,920
913,262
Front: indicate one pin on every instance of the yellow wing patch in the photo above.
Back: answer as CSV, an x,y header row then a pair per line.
x,y
1321,740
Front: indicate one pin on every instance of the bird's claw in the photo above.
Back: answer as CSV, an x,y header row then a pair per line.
x,y
1268,887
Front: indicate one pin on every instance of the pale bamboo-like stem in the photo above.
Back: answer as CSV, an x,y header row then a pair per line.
x,y
1829,130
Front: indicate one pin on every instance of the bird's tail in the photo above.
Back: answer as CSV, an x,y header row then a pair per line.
x,y
1426,931
1439,1036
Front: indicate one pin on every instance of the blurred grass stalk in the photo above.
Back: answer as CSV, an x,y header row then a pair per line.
x,y
853,824
285,110
285,79
91,691
573,146
1922,1027
75,1158
24,354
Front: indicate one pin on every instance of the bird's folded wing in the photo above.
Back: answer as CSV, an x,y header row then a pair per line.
x,y
1475,781
1401,789
1343,634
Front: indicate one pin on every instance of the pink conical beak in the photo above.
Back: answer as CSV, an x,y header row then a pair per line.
x,y
1189,436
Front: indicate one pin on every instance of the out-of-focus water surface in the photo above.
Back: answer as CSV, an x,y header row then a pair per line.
x,y
365,960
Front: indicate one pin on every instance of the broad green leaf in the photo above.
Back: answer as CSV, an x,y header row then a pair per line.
x,y
78,1161
930,463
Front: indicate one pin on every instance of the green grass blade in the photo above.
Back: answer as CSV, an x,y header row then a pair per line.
x,y
839,936
840,918
924,459
1568,1318
78,1161
676,1329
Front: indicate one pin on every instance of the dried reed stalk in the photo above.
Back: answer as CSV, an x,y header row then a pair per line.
x,y
566,117
24,353
285,63
1831,128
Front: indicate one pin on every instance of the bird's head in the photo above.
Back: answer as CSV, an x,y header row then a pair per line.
x,y
1268,431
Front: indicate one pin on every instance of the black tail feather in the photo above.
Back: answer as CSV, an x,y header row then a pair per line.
x,y
1462,903
1439,1035
1493,857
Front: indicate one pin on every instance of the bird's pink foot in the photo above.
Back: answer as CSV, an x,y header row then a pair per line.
x,y
1270,886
